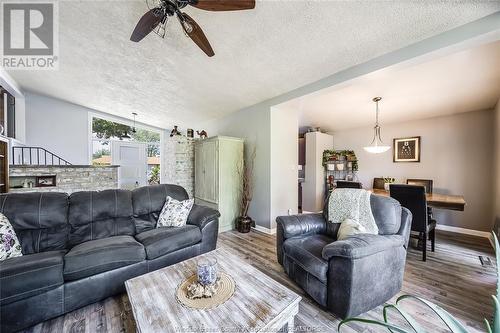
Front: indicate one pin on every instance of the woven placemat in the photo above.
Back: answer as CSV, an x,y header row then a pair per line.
x,y
224,292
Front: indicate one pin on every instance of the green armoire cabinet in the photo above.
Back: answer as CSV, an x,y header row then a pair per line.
x,y
217,182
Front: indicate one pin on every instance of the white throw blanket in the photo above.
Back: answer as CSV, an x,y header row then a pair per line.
x,y
352,204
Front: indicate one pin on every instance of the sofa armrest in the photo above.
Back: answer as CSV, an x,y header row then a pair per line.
x,y
405,228
304,224
296,225
373,263
202,215
362,245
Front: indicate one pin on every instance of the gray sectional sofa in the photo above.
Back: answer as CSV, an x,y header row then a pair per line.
x,y
80,248
349,276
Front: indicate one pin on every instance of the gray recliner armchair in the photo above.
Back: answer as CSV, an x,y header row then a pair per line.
x,y
349,276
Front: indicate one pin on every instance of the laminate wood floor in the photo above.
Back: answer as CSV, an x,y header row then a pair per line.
x,y
452,277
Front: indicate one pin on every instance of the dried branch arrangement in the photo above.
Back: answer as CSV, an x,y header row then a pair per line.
x,y
245,171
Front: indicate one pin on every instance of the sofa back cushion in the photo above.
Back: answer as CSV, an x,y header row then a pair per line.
x,y
385,210
39,219
100,214
387,214
148,202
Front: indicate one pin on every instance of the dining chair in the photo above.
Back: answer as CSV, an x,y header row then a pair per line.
x,y
348,184
413,198
427,183
378,183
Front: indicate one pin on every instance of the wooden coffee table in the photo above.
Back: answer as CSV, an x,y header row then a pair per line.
x,y
259,304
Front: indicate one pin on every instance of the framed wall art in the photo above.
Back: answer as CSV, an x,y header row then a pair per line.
x,y
407,149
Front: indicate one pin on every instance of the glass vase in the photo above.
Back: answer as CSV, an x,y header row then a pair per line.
x,y
207,271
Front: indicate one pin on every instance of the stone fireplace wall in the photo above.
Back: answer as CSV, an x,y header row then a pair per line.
x,y
178,162
69,178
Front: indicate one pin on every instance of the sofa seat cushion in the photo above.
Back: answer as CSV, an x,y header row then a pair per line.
x,y
306,252
164,240
30,275
101,255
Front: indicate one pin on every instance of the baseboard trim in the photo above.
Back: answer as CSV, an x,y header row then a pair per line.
x,y
465,231
264,230
225,228
458,230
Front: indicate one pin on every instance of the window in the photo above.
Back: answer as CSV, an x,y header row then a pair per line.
x,y
105,131
101,152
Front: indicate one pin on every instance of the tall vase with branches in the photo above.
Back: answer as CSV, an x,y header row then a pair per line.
x,y
245,171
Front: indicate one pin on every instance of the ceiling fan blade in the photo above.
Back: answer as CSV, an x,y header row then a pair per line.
x,y
223,5
146,24
194,31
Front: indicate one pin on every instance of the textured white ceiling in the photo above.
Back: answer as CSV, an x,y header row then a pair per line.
x,y
464,81
279,46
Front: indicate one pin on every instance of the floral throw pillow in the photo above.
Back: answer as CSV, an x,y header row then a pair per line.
x,y
174,213
9,244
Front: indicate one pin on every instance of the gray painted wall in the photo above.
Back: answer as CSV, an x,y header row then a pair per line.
x,y
456,153
254,125
61,127
58,126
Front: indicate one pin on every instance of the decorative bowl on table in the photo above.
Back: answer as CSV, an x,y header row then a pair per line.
x,y
207,288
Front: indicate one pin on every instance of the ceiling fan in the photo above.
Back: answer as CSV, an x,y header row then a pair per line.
x,y
156,18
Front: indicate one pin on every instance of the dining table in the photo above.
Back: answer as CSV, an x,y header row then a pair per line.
x,y
435,200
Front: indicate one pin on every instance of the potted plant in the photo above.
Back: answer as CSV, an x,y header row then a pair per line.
x,y
388,181
329,156
340,155
245,222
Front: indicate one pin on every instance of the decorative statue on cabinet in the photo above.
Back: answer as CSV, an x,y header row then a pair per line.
x,y
203,134
174,132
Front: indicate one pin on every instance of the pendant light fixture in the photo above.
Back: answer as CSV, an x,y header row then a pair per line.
x,y
377,146
133,127
126,135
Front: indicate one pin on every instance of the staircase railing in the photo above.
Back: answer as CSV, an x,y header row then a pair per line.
x,y
35,156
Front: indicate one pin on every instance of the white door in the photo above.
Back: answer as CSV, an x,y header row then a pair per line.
x,y
131,157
